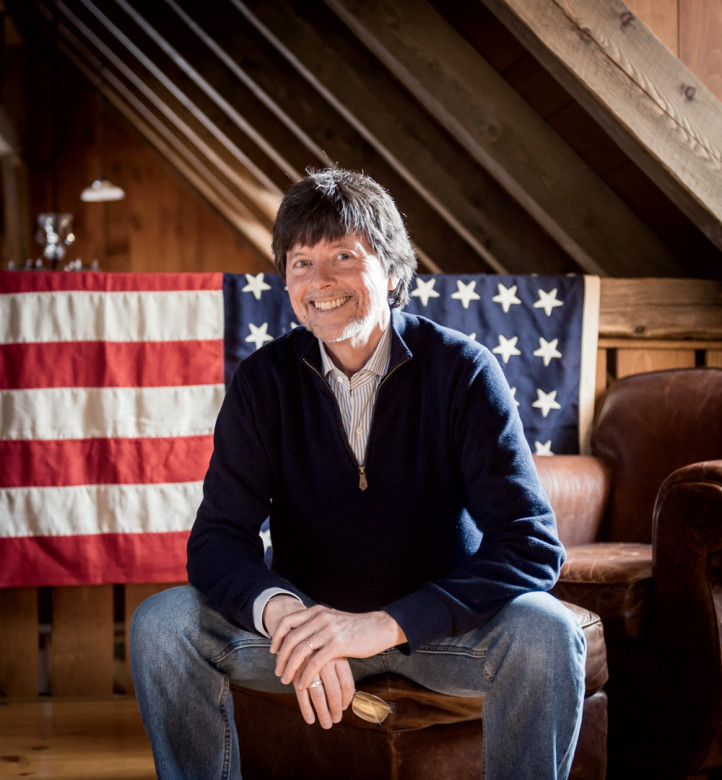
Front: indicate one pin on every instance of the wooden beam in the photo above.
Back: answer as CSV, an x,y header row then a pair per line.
x,y
506,136
670,309
660,114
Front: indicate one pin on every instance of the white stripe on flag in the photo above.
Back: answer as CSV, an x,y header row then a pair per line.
x,y
179,315
110,412
93,509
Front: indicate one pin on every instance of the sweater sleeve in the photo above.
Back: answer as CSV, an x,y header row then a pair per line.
x,y
519,549
225,550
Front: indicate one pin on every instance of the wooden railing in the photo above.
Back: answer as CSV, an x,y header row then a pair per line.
x,y
71,641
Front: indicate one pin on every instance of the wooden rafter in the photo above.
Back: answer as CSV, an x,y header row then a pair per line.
x,y
663,117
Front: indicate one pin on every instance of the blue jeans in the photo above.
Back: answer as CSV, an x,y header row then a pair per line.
x,y
528,662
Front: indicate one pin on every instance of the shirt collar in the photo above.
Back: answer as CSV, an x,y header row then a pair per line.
x,y
378,363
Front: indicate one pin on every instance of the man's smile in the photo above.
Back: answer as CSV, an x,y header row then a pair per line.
x,y
334,303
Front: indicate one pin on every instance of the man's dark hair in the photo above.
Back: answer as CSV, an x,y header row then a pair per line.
x,y
332,203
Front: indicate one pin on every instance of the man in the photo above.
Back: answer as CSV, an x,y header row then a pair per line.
x,y
410,533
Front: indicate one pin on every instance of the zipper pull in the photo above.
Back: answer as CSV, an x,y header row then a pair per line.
x,y
362,481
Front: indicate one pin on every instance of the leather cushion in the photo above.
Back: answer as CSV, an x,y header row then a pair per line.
x,y
613,580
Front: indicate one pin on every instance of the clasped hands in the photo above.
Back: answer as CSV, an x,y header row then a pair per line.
x,y
312,648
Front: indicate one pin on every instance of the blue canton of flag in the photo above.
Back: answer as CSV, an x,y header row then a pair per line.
x,y
534,325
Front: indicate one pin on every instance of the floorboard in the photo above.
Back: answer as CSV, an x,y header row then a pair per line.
x,y
74,740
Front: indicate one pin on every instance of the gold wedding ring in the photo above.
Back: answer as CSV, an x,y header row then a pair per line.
x,y
316,683
310,645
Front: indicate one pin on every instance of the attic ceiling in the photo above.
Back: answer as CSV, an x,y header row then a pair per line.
x,y
517,137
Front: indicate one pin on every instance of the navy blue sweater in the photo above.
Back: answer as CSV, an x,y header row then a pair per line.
x,y
453,522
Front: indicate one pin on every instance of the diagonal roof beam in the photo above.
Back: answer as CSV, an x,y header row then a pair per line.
x,y
659,113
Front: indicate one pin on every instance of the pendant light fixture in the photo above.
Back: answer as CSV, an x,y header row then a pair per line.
x,y
102,190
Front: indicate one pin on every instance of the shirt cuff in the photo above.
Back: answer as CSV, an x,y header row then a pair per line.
x,y
260,604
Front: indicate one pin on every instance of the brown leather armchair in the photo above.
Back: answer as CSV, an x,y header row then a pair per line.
x,y
642,522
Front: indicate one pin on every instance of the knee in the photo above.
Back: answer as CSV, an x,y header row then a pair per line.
x,y
159,617
547,635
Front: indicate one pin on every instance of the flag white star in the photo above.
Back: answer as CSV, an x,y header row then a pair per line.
x,y
465,293
543,449
256,285
506,297
547,350
513,395
546,401
548,301
507,348
425,290
259,335
472,336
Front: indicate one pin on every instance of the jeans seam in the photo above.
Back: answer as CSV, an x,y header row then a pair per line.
x,y
226,769
228,650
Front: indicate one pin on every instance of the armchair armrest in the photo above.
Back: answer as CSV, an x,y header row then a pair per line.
x,y
687,560
578,489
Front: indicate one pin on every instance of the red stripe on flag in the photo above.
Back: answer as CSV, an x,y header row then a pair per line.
x,y
94,281
60,463
96,559
111,364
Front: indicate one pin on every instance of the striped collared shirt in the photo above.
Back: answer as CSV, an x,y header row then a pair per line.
x,y
356,396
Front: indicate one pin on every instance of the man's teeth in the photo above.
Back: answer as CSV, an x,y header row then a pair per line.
x,y
328,305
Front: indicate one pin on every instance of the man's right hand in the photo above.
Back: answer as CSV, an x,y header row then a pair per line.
x,y
328,700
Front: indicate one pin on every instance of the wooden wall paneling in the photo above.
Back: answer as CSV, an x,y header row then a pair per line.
x,y
654,107
661,16
638,360
700,40
135,594
82,641
500,130
673,309
19,642
713,358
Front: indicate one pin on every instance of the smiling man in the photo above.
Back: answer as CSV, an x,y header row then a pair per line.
x,y
410,532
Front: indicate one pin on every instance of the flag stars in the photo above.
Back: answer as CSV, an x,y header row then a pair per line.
x,y
548,301
547,350
259,335
256,285
506,297
513,395
543,448
465,293
425,290
545,402
507,348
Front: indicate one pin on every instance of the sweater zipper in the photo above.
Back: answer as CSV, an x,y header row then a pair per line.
x,y
362,480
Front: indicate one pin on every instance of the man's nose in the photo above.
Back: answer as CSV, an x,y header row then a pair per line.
x,y
324,273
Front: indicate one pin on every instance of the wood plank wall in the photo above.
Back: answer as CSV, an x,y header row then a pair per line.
x,y
81,632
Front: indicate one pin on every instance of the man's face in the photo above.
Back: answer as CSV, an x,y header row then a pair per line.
x,y
338,289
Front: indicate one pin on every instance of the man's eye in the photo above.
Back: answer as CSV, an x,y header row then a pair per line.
x,y
344,256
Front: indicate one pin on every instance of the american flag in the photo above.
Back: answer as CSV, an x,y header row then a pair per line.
x,y
110,385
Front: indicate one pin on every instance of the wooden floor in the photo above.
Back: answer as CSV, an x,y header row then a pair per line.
x,y
73,740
